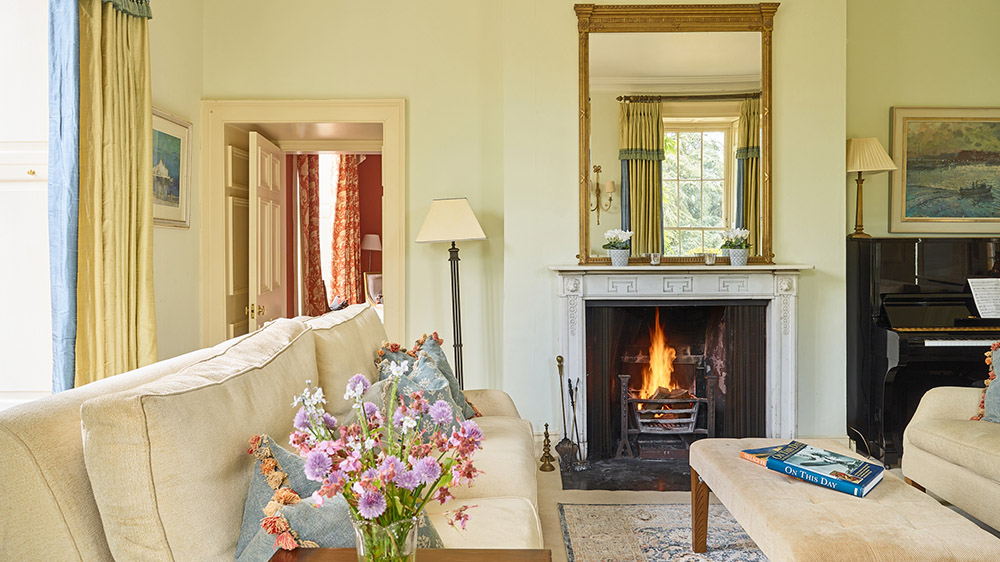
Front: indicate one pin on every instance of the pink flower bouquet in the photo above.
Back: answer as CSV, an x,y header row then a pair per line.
x,y
384,466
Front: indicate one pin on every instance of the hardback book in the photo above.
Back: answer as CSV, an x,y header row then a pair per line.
x,y
759,456
825,468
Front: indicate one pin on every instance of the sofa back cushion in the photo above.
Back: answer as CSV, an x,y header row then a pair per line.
x,y
347,342
167,460
44,454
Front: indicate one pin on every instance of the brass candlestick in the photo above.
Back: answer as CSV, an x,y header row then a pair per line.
x,y
547,457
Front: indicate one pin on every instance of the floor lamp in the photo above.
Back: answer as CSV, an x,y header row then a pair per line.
x,y
452,220
371,243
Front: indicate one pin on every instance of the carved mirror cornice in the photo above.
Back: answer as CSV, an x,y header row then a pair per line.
x,y
593,18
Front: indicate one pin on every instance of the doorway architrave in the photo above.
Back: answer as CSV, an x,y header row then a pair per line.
x,y
216,114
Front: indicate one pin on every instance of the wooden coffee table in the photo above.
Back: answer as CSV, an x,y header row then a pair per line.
x,y
423,555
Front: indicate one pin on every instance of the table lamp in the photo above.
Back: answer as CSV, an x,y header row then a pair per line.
x,y
452,220
865,155
371,243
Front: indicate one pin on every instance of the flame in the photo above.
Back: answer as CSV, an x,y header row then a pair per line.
x,y
661,362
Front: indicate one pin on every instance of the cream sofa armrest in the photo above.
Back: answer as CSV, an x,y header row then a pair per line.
x,y
492,402
948,403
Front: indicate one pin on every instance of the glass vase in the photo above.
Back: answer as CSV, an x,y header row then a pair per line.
x,y
395,542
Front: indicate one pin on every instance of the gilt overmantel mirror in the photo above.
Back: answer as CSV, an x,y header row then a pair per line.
x,y
675,128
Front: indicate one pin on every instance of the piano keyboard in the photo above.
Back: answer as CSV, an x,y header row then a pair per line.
x,y
958,342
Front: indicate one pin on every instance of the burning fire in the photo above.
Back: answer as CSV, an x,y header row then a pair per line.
x,y
661,363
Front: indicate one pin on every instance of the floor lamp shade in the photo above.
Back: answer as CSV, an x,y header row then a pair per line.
x,y
452,220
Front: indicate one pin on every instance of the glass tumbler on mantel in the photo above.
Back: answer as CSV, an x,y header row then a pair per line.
x,y
395,542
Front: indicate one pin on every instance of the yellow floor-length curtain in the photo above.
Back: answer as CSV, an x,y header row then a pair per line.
x,y
116,327
640,141
748,151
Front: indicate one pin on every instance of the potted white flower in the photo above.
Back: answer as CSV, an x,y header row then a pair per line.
x,y
737,242
618,243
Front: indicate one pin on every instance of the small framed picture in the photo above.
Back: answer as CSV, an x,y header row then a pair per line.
x,y
948,170
171,170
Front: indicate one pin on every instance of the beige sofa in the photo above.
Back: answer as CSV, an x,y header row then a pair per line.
x,y
955,458
152,464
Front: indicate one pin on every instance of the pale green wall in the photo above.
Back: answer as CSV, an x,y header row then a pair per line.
x,y
491,90
604,152
176,54
914,53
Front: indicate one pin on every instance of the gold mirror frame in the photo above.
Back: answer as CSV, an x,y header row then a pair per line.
x,y
593,18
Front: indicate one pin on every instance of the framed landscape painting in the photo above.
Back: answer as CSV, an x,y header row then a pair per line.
x,y
948,177
171,170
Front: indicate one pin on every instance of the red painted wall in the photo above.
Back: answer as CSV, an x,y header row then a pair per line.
x,y
370,205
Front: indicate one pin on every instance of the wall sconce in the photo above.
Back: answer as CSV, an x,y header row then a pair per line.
x,y
609,188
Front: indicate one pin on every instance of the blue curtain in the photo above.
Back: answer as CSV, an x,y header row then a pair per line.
x,y
626,199
64,183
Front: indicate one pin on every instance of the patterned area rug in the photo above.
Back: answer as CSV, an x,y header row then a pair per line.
x,y
650,533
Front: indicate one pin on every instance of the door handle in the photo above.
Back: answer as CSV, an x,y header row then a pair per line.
x,y
260,310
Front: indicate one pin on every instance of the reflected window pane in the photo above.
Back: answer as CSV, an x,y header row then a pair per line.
x,y
670,162
713,239
712,203
690,203
670,204
689,155
713,155
691,242
671,243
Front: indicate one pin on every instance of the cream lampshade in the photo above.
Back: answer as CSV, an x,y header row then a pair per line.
x,y
865,155
371,242
450,220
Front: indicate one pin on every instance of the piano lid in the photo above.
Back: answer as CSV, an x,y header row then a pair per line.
x,y
929,311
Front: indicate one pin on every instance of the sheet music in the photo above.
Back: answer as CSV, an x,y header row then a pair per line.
x,y
986,292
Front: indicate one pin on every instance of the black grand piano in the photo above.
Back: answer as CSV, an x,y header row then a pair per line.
x,y
912,325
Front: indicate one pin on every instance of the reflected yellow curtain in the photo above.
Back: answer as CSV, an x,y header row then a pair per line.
x,y
640,142
748,153
116,327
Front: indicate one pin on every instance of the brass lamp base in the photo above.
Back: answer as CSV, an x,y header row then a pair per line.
x,y
859,228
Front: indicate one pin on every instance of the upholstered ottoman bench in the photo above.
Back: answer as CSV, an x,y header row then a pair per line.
x,y
793,520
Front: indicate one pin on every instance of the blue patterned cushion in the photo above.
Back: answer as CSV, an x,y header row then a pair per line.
x,y
991,398
432,345
328,526
390,352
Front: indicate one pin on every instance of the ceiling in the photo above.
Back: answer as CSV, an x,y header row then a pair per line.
x,y
675,62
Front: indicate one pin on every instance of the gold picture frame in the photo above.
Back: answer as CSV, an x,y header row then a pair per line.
x,y
948,170
171,170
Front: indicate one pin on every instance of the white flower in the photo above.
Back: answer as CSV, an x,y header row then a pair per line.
x,y
398,369
369,444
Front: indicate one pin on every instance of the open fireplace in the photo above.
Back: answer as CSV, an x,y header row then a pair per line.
x,y
663,374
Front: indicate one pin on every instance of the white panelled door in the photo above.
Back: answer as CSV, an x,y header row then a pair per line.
x,y
267,232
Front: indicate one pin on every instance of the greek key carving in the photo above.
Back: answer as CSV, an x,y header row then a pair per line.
x,y
622,285
734,284
674,285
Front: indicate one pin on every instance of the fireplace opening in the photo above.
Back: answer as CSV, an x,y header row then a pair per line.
x,y
660,376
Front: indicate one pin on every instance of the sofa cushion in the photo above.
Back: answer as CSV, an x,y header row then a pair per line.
x,y
494,522
165,459
973,445
346,344
507,462
432,346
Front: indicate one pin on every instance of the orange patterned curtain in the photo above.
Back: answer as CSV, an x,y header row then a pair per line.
x,y
314,290
347,234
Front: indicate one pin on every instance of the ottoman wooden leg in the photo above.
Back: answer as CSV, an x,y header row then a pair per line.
x,y
915,485
699,513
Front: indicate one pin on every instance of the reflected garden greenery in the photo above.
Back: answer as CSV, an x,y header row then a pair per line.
x,y
693,180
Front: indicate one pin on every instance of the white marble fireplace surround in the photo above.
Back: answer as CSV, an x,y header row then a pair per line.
x,y
777,284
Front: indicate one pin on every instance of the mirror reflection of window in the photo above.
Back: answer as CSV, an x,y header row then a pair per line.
x,y
695,173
